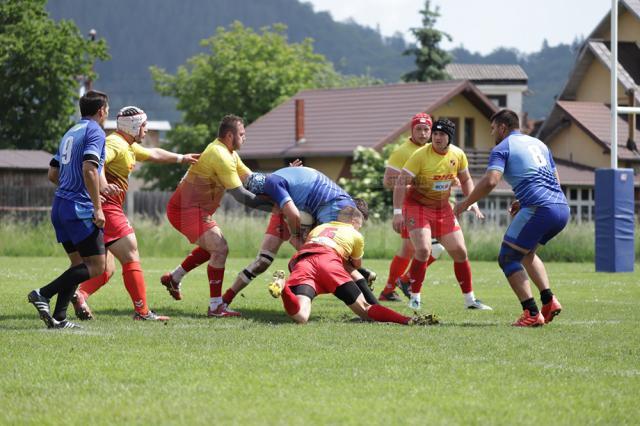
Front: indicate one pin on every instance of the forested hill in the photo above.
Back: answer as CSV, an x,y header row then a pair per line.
x,y
166,33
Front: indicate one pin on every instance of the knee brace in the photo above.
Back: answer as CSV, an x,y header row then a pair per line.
x,y
510,260
258,266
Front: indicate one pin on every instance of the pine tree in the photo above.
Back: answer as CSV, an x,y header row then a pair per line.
x,y
430,58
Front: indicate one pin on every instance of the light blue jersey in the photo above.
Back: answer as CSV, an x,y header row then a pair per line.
x,y
310,191
527,165
84,141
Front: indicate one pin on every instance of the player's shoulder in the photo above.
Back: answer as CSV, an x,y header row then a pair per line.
x,y
93,126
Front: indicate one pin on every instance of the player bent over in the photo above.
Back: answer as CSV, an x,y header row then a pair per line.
x,y
541,212
319,268
123,149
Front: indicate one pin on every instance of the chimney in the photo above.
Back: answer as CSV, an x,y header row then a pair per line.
x,y
300,121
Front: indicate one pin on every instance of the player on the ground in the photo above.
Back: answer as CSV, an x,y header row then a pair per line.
x,y
426,212
319,268
294,190
123,150
541,212
76,213
420,133
197,197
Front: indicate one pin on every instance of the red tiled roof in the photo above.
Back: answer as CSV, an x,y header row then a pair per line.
x,y
336,121
595,119
24,159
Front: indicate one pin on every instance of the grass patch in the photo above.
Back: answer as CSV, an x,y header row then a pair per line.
x,y
262,369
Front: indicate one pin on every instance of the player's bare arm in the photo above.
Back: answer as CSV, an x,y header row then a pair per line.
x,y
466,185
92,183
481,190
399,191
162,156
389,179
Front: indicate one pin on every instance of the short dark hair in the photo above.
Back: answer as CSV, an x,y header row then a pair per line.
x,y
363,207
506,117
228,123
91,102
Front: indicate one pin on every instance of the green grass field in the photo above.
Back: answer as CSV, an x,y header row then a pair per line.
x,y
474,368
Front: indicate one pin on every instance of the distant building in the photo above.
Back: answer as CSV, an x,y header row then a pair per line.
x,y
505,85
24,186
578,129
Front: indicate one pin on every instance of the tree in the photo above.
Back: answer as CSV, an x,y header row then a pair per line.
x,y
244,72
367,171
430,58
40,61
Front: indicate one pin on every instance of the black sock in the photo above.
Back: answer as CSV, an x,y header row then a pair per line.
x,y
70,278
365,273
366,292
530,304
62,303
546,296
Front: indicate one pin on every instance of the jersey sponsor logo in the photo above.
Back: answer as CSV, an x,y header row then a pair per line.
x,y
442,186
448,176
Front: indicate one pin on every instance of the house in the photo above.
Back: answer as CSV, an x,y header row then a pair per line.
x,y
24,186
324,126
578,129
505,85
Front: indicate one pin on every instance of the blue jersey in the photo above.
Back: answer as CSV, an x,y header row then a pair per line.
x,y
527,165
85,140
307,188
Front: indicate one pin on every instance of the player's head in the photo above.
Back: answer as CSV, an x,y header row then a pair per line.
x,y
362,207
255,183
231,131
444,128
421,128
132,121
95,104
503,122
352,216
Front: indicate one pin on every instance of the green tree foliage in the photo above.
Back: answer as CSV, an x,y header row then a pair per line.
x,y
367,171
430,58
244,72
40,61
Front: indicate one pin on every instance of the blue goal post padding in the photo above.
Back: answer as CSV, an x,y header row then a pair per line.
x,y
614,220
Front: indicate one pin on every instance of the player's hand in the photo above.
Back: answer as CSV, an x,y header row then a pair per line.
x,y
296,163
398,223
98,218
476,210
110,190
459,208
514,209
190,158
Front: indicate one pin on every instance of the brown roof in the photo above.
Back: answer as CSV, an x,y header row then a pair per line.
x,y
594,118
481,72
336,121
632,6
24,159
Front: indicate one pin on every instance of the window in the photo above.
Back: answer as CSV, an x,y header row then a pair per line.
x,y
581,203
468,133
498,100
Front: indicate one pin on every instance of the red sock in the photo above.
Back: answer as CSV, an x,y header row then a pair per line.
x,y
381,314
134,283
92,285
430,260
290,301
463,275
216,275
228,296
398,267
417,271
197,257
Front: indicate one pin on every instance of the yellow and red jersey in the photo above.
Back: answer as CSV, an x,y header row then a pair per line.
x,y
434,174
341,237
217,170
120,159
401,154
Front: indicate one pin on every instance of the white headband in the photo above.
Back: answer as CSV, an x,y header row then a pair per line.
x,y
131,124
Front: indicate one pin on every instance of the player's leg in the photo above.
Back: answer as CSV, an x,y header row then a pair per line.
x,y
454,244
350,294
79,298
125,249
421,240
397,268
277,233
214,242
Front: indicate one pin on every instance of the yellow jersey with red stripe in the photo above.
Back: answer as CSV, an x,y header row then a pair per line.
x,y
120,159
217,170
434,174
341,237
401,154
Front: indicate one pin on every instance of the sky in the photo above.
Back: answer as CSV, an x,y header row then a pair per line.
x,y
479,25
